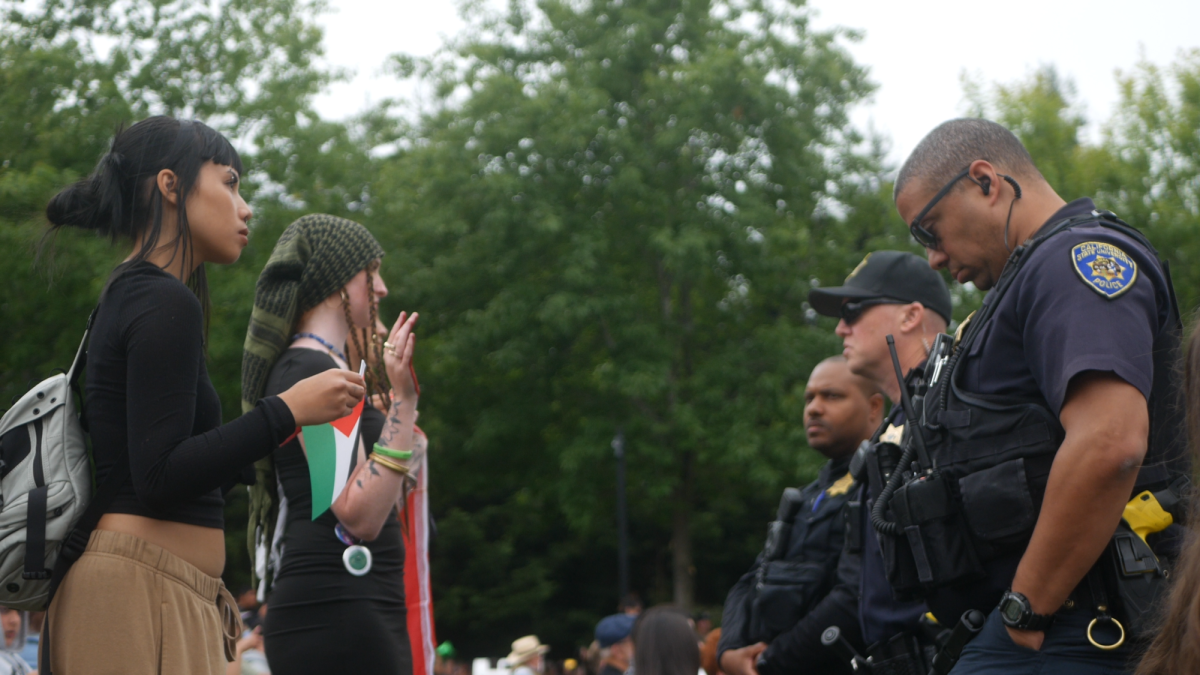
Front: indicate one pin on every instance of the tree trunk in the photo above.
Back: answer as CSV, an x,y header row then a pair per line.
x,y
683,570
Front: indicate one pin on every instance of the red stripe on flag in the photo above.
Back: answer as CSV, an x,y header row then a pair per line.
x,y
346,424
417,591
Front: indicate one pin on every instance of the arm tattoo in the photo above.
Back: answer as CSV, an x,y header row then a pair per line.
x,y
395,425
372,469
359,483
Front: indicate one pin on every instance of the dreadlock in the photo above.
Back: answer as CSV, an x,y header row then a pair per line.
x,y
376,373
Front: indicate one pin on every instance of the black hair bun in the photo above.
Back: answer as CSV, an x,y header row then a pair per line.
x,y
92,203
74,206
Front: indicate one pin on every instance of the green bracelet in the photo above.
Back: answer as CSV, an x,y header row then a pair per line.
x,y
394,454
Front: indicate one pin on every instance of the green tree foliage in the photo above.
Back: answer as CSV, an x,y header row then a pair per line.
x,y
612,221
1153,176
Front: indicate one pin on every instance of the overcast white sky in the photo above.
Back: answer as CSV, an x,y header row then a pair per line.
x,y
915,51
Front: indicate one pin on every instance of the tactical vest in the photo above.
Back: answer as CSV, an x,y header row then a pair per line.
x,y
991,454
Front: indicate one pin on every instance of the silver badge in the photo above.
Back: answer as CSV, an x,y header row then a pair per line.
x,y
357,560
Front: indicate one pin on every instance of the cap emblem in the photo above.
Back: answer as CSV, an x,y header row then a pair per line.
x,y
854,272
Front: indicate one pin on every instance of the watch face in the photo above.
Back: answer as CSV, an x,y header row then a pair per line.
x,y
1010,609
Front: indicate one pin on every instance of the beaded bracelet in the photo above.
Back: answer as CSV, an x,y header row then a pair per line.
x,y
388,463
394,454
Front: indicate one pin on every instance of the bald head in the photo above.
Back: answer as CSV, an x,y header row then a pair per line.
x,y
953,145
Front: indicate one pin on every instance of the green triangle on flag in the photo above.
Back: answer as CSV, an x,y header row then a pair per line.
x,y
330,448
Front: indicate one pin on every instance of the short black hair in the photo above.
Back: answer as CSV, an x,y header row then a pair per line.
x,y
953,145
865,385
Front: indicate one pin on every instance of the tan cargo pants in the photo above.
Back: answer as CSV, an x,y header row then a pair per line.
x,y
130,607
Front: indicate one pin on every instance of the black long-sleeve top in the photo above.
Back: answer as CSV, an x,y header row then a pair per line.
x,y
817,535
148,394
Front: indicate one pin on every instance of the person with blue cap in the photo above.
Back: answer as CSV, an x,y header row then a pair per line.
x,y
614,635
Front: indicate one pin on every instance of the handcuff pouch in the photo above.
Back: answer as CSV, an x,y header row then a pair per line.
x,y
933,527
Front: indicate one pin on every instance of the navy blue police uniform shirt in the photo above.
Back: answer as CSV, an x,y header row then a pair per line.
x,y
880,615
1089,299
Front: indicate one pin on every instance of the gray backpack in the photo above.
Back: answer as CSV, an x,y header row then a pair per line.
x,y
45,484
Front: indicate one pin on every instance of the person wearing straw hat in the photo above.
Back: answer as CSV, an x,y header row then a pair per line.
x,y
526,656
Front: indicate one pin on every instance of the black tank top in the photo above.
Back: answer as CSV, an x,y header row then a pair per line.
x,y
310,546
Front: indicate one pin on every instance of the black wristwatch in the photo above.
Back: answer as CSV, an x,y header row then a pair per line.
x,y
1015,612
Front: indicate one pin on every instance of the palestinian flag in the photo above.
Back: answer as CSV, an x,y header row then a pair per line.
x,y
330,448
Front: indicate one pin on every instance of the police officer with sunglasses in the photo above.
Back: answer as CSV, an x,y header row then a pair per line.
x,y
1056,407
889,293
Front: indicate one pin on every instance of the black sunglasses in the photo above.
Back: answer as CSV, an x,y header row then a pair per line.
x,y
923,236
851,312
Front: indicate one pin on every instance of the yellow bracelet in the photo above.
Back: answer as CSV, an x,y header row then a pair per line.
x,y
387,463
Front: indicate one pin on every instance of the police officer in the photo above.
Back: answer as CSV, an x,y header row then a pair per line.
x,y
888,293
789,596
1057,407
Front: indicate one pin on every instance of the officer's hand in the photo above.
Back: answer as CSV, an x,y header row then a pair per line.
x,y
742,661
1029,639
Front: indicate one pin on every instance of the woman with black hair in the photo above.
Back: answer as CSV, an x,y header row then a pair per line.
x,y
146,596
664,643
337,595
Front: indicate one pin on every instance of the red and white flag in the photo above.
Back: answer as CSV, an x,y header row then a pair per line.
x,y
417,591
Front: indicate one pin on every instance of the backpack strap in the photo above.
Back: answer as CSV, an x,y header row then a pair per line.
x,y
80,364
36,515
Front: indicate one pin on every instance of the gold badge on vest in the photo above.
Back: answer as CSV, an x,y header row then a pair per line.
x,y
892,434
840,487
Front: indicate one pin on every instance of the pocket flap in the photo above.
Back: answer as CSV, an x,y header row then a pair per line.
x,y
997,502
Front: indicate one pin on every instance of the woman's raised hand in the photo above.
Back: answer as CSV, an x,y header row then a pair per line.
x,y
397,356
324,397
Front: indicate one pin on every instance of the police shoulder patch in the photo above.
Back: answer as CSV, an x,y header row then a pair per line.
x,y
1104,267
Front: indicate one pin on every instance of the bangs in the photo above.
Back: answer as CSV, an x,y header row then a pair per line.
x,y
217,148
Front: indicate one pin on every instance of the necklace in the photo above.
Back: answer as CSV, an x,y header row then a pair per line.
x,y
324,343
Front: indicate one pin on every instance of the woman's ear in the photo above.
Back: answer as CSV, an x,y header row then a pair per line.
x,y
167,183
